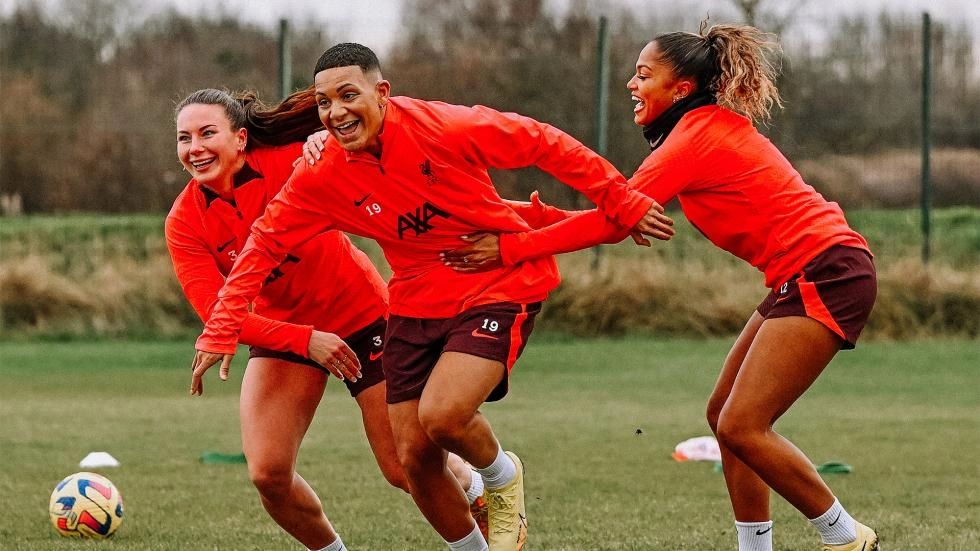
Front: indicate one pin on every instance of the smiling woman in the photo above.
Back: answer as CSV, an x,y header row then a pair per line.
x,y
210,147
697,96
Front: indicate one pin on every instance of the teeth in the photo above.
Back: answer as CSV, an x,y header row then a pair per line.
x,y
345,126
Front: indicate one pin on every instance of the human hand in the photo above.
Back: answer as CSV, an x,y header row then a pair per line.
x,y
334,355
314,145
654,223
203,361
481,254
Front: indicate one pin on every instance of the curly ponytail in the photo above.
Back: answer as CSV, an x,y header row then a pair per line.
x,y
731,61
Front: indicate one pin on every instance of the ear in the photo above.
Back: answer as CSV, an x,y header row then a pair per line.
x,y
242,138
684,88
383,89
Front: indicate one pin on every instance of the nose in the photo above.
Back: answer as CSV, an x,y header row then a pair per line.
x,y
631,83
328,114
197,144
337,113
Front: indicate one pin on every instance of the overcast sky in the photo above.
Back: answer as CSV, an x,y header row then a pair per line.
x,y
372,22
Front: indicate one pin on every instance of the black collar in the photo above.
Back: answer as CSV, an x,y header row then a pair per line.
x,y
656,132
242,177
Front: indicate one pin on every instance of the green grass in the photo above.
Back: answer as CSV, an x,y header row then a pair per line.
x,y
594,420
893,234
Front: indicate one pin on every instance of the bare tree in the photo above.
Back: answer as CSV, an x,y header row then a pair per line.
x,y
775,16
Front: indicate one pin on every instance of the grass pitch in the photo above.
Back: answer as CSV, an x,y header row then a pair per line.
x,y
594,420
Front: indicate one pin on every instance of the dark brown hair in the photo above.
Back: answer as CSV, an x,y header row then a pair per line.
x,y
291,120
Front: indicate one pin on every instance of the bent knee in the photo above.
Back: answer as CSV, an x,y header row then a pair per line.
x,y
443,428
737,434
270,480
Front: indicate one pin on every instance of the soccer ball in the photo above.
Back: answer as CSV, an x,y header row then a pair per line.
x,y
86,505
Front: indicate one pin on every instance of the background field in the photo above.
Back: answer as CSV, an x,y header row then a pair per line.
x,y
594,419
97,276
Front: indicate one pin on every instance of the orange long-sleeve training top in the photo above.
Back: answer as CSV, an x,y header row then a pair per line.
x,y
732,183
325,283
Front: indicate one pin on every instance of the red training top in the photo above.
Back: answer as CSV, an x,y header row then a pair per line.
x,y
732,184
429,187
326,283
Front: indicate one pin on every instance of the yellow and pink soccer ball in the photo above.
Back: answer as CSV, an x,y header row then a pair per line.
x,y
86,505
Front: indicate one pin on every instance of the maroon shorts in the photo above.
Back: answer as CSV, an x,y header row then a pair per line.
x,y
837,288
367,344
496,332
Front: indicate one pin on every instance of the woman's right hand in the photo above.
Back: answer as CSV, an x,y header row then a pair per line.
x,y
203,360
334,355
314,145
654,223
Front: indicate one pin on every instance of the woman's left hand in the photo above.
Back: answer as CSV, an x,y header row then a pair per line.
x,y
481,254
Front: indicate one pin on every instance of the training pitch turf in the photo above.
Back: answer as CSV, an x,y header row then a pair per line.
x,y
595,422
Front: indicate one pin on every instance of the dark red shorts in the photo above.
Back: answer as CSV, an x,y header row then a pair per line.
x,y
367,344
837,288
496,332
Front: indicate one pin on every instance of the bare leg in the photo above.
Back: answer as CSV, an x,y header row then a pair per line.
x,y
748,493
446,417
377,427
784,358
449,412
271,443
433,487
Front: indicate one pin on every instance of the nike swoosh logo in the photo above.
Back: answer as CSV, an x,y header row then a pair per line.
x,y
476,333
361,202
224,246
760,532
372,356
835,520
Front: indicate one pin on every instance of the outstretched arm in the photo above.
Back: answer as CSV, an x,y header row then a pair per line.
x,y
573,231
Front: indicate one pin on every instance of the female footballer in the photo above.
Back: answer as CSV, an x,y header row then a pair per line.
x,y
696,97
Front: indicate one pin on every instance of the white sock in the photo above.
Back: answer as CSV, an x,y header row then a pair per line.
x,y
473,542
476,487
836,527
500,472
754,536
337,545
